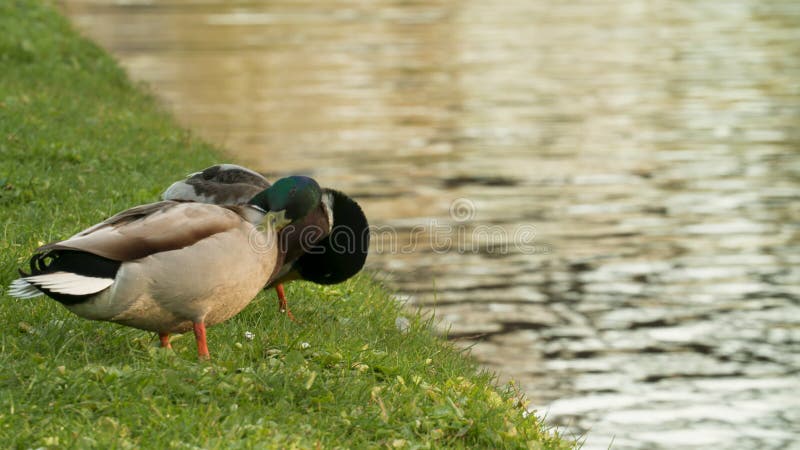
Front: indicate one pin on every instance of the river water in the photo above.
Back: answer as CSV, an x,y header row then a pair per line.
x,y
600,196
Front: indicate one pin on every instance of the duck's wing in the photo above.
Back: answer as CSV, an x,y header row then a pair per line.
x,y
148,229
72,270
222,184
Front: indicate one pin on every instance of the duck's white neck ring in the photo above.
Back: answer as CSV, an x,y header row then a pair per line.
x,y
258,208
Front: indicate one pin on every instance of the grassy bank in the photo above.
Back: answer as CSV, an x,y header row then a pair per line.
x,y
79,142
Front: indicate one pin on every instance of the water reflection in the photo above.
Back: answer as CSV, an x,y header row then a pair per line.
x,y
653,146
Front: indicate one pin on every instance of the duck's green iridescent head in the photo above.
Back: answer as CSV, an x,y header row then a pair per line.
x,y
295,196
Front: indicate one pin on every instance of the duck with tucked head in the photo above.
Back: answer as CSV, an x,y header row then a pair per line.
x,y
328,247
171,267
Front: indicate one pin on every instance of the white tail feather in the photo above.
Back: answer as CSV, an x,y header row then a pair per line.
x,y
20,288
69,283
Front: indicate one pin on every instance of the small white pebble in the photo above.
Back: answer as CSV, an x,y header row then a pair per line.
x,y
249,335
402,324
304,345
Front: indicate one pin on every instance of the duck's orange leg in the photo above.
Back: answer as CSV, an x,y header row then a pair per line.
x,y
164,338
282,304
200,337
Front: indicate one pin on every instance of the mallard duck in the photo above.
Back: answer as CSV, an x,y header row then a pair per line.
x,y
171,267
334,252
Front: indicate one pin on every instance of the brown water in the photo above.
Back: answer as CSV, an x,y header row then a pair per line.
x,y
620,181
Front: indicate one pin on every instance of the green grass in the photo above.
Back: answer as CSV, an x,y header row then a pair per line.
x,y
78,142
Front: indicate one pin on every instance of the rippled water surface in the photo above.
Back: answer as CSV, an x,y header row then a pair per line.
x,y
621,179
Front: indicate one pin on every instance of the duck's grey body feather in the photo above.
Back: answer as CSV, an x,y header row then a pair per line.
x,y
223,184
